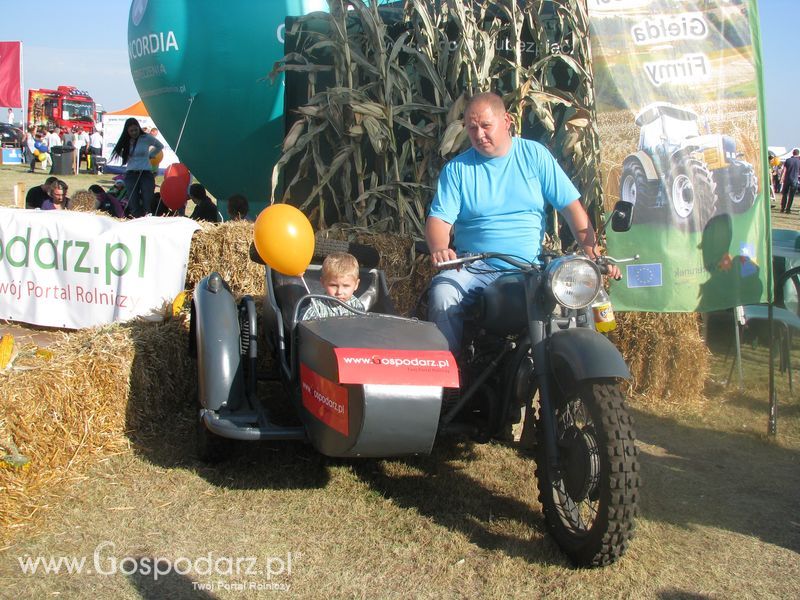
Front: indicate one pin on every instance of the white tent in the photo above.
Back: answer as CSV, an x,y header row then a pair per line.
x,y
113,123
780,151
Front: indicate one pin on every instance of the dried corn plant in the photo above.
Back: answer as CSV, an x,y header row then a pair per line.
x,y
386,90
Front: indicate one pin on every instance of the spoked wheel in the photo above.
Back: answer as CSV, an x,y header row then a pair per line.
x,y
590,502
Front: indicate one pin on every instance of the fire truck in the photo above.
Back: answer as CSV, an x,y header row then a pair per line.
x,y
65,107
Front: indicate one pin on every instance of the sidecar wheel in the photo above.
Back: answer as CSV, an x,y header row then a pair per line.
x,y
591,504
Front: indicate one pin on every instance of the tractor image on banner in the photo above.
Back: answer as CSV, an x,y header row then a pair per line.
x,y
679,111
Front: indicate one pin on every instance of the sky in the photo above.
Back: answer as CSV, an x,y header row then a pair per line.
x,y
86,47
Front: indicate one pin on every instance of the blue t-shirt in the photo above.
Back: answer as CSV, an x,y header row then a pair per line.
x,y
498,204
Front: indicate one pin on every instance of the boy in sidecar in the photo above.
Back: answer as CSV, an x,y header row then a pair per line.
x,y
339,278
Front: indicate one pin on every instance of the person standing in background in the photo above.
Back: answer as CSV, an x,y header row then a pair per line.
x,y
10,116
30,144
135,148
791,171
53,139
95,149
79,141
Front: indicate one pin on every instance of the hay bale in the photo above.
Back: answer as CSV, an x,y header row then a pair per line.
x,y
668,358
225,248
100,388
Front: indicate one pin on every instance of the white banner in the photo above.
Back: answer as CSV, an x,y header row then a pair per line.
x,y
74,270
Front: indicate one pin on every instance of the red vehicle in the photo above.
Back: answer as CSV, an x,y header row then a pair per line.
x,y
64,107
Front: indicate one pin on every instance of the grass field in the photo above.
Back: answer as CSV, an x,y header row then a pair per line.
x,y
719,515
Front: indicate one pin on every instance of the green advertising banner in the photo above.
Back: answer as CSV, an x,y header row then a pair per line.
x,y
680,118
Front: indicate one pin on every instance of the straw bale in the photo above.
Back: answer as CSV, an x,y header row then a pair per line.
x,y
83,201
61,412
69,408
668,358
225,248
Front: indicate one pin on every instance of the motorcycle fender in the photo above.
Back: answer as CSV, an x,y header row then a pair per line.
x,y
215,322
647,164
582,354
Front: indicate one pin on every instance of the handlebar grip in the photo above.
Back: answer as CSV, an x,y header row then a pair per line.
x,y
449,263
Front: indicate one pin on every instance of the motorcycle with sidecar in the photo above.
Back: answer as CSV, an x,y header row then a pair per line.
x,y
375,384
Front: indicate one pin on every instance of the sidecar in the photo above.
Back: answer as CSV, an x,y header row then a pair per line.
x,y
365,385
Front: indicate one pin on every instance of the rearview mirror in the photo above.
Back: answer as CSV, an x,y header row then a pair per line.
x,y
622,218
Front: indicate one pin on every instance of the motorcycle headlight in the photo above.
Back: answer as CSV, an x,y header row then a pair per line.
x,y
573,281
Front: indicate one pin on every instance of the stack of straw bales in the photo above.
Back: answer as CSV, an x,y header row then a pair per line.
x,y
105,387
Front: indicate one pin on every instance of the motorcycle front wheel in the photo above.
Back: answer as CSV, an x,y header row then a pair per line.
x,y
590,502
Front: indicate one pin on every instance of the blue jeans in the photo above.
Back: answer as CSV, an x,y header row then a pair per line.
x,y
451,291
140,187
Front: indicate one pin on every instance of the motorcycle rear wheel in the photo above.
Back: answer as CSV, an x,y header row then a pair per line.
x,y
591,504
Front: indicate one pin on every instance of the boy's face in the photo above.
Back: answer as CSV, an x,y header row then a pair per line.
x,y
340,287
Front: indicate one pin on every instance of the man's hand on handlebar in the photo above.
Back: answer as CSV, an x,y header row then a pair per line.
x,y
613,271
445,254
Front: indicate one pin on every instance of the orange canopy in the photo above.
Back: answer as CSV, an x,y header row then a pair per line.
x,y
135,110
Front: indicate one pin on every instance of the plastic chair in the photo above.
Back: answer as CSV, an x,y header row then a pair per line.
x,y
785,321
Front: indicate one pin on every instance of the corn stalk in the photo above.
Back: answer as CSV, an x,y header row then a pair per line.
x,y
368,145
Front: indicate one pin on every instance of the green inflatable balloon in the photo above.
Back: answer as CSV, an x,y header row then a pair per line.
x,y
201,66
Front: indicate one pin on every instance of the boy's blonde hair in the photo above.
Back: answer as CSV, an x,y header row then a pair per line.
x,y
339,264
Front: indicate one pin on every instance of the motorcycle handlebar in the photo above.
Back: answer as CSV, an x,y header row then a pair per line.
x,y
471,258
603,262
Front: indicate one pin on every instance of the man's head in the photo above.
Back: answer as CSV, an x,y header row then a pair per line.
x,y
48,183
340,275
488,125
58,192
197,192
795,152
237,207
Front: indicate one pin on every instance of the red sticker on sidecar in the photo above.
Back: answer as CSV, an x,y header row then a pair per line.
x,y
325,399
397,367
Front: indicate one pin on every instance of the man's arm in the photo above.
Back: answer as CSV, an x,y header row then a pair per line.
x,y
437,234
580,225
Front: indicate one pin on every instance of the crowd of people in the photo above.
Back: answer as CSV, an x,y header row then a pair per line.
x,y
133,194
53,194
39,143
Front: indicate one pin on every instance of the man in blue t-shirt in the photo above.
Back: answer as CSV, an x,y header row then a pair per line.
x,y
493,198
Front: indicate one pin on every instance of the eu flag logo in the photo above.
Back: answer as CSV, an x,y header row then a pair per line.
x,y
644,275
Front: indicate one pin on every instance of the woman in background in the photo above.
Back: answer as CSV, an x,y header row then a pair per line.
x,y
135,148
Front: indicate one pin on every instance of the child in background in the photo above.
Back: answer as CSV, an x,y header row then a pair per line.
x,y
340,279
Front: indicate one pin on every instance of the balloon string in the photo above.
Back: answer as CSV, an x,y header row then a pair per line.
x,y
185,118
308,291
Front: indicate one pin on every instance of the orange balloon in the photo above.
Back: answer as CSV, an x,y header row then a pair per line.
x,y
156,160
284,239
